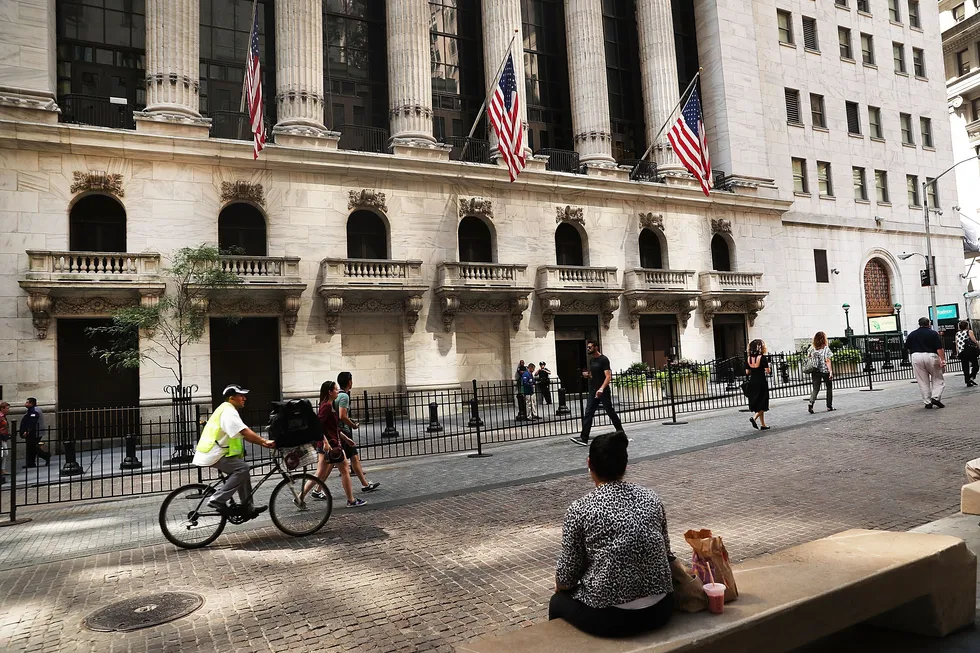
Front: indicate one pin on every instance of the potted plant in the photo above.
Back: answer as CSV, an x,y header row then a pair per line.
x,y
636,384
689,378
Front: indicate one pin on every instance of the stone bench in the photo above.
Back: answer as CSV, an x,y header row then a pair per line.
x,y
970,499
914,582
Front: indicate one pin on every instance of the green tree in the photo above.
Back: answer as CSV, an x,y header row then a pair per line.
x,y
177,319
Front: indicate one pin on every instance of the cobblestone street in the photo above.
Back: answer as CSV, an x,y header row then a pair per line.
x,y
420,574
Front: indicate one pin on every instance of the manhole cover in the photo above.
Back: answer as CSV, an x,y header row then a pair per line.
x,y
144,611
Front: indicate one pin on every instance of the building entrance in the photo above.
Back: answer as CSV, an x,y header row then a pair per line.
x,y
658,339
571,332
247,353
730,336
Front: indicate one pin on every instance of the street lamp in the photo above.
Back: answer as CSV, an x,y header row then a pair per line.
x,y
901,335
848,332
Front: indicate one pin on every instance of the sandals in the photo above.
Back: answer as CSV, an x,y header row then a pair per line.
x,y
754,425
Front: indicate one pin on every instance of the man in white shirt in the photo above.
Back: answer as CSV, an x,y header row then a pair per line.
x,y
221,446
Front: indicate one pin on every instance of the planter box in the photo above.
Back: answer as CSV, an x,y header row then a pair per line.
x,y
847,369
686,385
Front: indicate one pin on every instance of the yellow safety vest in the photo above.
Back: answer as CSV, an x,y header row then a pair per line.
x,y
212,431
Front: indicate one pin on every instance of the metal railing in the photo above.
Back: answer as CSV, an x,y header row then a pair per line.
x,y
360,138
561,160
478,150
80,109
234,125
722,181
642,170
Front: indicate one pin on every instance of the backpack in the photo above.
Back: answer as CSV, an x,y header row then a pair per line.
x,y
293,423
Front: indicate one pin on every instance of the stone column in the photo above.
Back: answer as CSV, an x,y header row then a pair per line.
x,y
500,20
409,74
173,52
299,72
28,60
658,72
587,82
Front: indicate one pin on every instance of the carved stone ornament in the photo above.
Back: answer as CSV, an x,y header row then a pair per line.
x,y
712,305
603,137
721,226
334,305
97,180
450,306
411,110
652,221
605,306
242,191
367,199
173,79
570,214
40,307
290,312
680,307
517,307
480,206
83,306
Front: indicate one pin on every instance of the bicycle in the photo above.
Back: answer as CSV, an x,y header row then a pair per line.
x,y
188,522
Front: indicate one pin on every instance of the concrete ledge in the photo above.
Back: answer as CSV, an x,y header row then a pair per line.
x,y
912,582
970,499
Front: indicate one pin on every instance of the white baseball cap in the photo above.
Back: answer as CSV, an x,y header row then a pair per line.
x,y
233,389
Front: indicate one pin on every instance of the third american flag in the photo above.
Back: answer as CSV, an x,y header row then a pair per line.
x,y
689,143
253,87
505,118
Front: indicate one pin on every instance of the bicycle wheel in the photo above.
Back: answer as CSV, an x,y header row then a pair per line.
x,y
186,520
296,513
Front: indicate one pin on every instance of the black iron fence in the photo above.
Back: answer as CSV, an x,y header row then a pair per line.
x,y
131,451
363,139
561,160
471,150
98,111
235,125
642,170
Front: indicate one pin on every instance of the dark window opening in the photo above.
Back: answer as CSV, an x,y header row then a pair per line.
x,y
623,79
355,67
685,42
367,236
241,231
568,245
651,253
475,241
721,255
820,265
456,51
97,223
549,113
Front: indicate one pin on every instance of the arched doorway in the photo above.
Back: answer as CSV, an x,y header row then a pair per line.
x,y
721,254
568,245
241,230
652,251
877,289
97,223
367,236
475,241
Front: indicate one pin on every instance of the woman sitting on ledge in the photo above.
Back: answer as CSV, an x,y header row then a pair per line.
x,y
613,576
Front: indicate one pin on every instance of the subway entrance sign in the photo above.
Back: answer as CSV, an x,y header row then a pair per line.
x,y
946,312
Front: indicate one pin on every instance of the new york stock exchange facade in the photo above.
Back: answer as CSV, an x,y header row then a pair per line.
x,y
373,237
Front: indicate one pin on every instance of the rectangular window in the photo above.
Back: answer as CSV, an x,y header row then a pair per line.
x,y
840,3
925,130
800,184
932,193
914,14
874,123
912,184
898,54
868,49
820,265
863,5
959,12
825,184
810,41
793,106
893,12
817,114
844,37
881,186
962,62
785,21
918,62
860,186
906,121
975,108
853,119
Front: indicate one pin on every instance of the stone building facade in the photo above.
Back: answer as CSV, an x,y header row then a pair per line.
x,y
417,265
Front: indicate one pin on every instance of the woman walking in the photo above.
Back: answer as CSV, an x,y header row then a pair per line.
x,y
757,369
332,452
968,351
821,370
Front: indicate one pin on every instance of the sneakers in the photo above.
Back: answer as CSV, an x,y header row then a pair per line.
x,y
579,441
356,503
937,403
370,487
928,406
222,509
319,496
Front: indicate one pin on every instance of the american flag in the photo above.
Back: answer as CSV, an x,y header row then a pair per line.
x,y
505,118
253,86
689,143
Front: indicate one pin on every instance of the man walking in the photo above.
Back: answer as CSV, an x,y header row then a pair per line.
x,y
527,386
600,376
928,360
32,430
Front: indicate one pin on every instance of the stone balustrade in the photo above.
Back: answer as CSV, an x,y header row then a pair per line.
x,y
575,277
481,273
488,288
731,292
714,281
368,271
351,285
649,279
262,269
101,264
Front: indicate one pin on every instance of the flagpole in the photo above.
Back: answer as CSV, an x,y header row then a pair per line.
x,y
241,107
493,85
664,126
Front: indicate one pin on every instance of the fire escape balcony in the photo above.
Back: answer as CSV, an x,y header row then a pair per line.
x,y
371,286
487,288
577,289
731,292
660,291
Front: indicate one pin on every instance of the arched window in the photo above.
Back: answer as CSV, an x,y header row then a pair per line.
x,y
877,289
475,241
568,245
367,236
97,223
651,251
721,254
241,230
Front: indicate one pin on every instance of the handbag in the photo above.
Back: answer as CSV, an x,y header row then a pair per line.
x,y
812,363
688,589
745,387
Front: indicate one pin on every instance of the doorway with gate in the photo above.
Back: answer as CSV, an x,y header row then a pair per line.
x,y
658,340
731,336
571,332
246,352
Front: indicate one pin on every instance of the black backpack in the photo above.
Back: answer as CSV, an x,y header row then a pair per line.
x,y
293,423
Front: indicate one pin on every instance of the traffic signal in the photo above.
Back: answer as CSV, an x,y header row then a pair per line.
x,y
924,277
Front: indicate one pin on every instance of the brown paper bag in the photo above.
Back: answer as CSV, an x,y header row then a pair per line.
x,y
709,551
689,593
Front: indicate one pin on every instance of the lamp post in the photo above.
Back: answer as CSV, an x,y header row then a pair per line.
x,y
848,332
901,335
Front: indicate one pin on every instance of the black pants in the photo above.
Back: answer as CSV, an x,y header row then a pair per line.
x,y
610,622
545,390
34,450
970,366
818,378
606,400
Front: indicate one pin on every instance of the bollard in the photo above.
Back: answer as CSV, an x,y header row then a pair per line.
x,y
562,403
131,461
366,417
71,466
390,430
869,368
521,408
434,425
475,411
730,377
784,372
673,406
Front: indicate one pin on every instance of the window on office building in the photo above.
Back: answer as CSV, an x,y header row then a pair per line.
x,y
898,54
894,14
785,21
860,184
925,130
881,186
810,40
825,182
912,184
959,12
918,62
867,49
355,69
975,108
914,14
908,138
864,5
818,114
546,75
932,192
792,106
800,184
853,119
844,38
962,62
623,78
874,123
820,265
840,3
456,54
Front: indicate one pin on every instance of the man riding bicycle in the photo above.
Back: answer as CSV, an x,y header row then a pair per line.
x,y
221,446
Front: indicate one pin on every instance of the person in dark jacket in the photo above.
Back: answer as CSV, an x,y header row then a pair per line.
x,y
31,430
